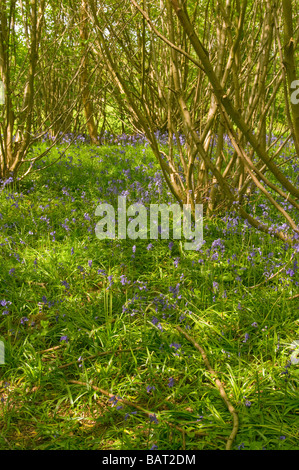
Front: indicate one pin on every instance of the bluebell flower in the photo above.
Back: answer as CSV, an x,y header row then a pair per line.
x,y
170,382
64,338
176,346
65,284
153,419
247,403
246,338
124,280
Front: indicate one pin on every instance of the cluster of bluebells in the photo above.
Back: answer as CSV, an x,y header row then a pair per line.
x,y
131,413
175,291
137,182
162,303
292,270
156,322
153,419
124,281
233,223
6,182
217,249
170,382
286,371
176,347
247,402
5,304
64,338
51,303
114,400
134,305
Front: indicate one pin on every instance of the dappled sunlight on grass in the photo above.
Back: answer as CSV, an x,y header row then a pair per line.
x,y
104,314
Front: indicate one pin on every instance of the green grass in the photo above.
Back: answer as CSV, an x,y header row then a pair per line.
x,y
119,333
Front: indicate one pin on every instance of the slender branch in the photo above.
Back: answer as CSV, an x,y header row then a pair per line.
x,y
220,387
105,353
273,275
133,405
294,297
167,41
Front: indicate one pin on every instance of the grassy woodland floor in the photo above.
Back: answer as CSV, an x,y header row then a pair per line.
x,y
83,318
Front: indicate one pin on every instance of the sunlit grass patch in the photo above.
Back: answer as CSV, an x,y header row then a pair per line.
x,y
74,308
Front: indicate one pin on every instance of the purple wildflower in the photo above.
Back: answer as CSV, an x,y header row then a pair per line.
x,y
153,419
65,284
246,337
170,382
176,346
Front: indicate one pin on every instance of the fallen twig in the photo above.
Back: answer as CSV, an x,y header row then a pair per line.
x,y
273,275
294,297
6,440
220,387
104,353
138,407
52,349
